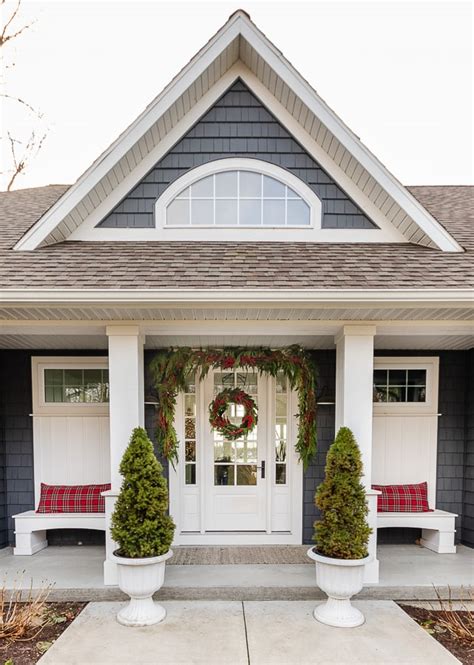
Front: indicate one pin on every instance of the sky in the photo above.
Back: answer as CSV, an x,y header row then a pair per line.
x,y
400,74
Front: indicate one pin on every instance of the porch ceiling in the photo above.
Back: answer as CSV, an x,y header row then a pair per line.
x,y
240,312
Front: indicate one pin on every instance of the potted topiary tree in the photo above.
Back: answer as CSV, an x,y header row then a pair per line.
x,y
342,534
143,531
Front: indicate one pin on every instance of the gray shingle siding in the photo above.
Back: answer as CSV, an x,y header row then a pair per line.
x,y
238,125
468,502
15,401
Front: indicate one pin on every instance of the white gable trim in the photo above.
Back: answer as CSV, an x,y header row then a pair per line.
x,y
237,25
386,232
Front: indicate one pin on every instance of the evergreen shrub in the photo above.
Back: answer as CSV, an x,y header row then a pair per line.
x,y
343,531
141,525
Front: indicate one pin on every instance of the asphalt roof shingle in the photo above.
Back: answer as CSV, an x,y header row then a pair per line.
x,y
213,265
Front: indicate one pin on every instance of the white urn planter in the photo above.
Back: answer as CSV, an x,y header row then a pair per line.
x,y
140,579
340,579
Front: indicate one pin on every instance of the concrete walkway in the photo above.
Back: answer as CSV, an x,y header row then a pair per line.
x,y
246,633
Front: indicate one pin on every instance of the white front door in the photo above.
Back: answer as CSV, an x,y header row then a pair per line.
x,y
246,491
235,473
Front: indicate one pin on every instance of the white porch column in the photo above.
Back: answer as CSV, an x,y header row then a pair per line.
x,y
127,411
354,409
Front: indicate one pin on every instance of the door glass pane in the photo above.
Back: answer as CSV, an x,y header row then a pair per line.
x,y
223,451
223,474
190,446
190,474
190,451
246,474
281,406
190,428
190,405
246,451
280,474
280,451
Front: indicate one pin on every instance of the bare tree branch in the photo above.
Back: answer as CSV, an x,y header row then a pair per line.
x,y
22,151
31,149
21,101
4,37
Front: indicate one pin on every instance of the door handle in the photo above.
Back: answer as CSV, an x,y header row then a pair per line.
x,y
262,468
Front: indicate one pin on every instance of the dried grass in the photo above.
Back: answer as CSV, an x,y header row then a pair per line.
x,y
23,618
459,622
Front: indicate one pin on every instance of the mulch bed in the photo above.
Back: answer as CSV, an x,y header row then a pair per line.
x,y
427,619
29,650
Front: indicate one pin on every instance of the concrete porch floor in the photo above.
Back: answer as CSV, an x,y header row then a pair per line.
x,y
407,572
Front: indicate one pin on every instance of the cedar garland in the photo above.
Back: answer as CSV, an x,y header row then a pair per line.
x,y
171,367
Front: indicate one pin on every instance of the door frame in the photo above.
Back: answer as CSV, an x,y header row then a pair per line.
x,y
177,484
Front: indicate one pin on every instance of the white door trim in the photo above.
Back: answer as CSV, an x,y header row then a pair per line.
x,y
176,487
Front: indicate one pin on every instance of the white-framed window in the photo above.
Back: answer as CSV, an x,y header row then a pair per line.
x,y
238,193
70,384
407,384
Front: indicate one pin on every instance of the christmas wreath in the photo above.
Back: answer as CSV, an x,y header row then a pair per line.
x,y
221,423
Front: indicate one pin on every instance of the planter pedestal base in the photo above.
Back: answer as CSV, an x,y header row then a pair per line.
x,y
141,612
339,613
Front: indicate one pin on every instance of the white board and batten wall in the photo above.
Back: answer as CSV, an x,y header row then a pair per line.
x,y
405,434
70,440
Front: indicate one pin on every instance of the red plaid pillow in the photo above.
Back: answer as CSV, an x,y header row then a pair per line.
x,y
402,498
72,498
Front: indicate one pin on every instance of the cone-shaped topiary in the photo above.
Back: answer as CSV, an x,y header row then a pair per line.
x,y
343,531
140,524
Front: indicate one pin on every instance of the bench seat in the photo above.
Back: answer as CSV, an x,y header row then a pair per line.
x,y
31,527
437,528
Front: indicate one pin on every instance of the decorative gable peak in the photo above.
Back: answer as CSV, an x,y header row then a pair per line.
x,y
239,50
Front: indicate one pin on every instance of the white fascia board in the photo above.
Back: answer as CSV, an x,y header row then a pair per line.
x,y
349,140
107,160
326,297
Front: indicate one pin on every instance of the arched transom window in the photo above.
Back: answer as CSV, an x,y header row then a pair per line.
x,y
238,193
238,198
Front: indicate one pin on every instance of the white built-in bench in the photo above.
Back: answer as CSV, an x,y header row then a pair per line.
x,y
437,528
31,527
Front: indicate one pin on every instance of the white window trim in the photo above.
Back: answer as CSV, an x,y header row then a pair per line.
x,y
43,408
428,363
238,164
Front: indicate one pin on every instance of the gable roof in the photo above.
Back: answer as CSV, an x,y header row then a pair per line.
x,y
238,49
170,266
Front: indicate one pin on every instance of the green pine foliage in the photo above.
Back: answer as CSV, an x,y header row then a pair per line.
x,y
343,531
170,368
141,525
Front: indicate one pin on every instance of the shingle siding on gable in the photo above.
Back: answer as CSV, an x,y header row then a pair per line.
x,y
237,126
